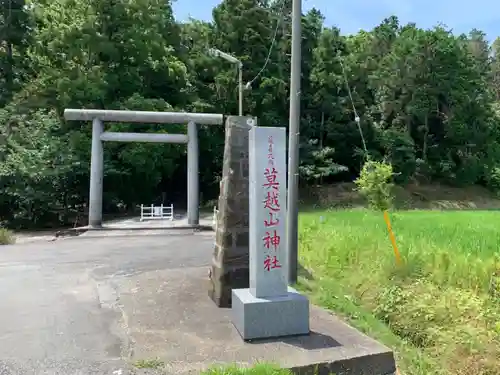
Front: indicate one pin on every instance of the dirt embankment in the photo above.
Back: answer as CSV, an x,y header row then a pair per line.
x,y
441,197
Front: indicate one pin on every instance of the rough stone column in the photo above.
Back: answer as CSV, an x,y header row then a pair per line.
x,y
230,260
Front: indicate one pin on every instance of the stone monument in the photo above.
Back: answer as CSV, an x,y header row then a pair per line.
x,y
269,307
230,258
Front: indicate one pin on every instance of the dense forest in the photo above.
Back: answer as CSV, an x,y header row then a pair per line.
x,y
427,100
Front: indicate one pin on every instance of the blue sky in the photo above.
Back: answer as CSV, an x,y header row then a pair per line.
x,y
353,15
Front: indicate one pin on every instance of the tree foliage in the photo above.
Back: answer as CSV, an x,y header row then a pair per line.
x,y
428,100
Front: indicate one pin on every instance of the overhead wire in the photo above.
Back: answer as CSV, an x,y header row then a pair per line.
x,y
356,118
268,58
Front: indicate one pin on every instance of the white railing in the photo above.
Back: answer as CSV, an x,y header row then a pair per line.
x,y
214,220
157,212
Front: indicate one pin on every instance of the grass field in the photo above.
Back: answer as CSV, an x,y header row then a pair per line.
x,y
439,310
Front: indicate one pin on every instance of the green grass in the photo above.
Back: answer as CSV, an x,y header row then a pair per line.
x,y
149,364
439,310
259,369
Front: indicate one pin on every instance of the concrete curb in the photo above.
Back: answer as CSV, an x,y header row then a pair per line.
x,y
80,230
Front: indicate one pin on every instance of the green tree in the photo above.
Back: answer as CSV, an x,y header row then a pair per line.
x,y
15,32
428,101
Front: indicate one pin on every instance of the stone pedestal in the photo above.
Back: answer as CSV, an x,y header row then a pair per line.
x,y
229,268
257,318
268,308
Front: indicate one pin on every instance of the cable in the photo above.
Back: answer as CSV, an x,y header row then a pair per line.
x,y
356,118
249,83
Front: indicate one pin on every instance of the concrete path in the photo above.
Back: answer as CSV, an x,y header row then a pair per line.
x,y
60,308
100,302
134,223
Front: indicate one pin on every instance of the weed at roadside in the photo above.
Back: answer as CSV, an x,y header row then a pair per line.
x,y
259,369
6,237
149,364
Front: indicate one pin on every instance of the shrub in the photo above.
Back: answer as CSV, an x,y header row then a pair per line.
x,y
493,179
375,184
6,237
447,323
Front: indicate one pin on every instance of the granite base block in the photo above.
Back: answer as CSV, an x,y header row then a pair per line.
x,y
259,318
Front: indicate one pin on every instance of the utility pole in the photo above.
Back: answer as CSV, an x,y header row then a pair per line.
x,y
293,145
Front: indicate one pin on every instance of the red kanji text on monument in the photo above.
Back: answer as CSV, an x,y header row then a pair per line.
x,y
272,239
271,262
271,175
271,202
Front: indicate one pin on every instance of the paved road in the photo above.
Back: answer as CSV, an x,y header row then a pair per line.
x,y
59,309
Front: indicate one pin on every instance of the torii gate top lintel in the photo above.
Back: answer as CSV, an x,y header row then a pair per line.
x,y
143,116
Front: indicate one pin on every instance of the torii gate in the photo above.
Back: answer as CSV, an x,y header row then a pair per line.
x,y
98,117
